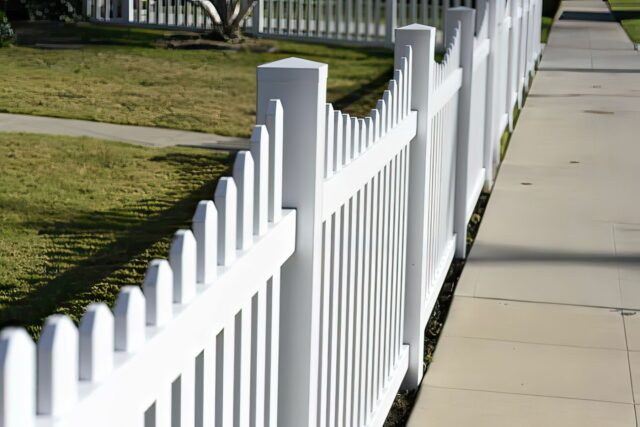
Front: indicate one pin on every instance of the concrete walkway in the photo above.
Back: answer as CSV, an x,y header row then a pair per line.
x,y
545,326
139,135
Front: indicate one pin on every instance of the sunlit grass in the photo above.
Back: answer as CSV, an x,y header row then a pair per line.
x,y
79,218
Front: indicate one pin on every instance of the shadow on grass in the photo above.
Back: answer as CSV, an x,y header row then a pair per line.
x,y
108,249
373,87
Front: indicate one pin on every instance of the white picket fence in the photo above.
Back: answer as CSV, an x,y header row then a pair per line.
x,y
312,315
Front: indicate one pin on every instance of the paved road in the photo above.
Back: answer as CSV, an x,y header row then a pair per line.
x,y
544,329
139,135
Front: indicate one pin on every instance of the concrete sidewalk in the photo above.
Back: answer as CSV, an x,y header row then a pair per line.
x,y
139,135
545,326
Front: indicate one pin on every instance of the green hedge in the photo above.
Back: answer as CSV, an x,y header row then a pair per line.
x,y
7,36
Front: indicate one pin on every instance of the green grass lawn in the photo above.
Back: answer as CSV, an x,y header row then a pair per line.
x,y
632,27
79,218
202,90
625,5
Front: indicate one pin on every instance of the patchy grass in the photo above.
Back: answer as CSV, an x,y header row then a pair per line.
x,y
632,27
201,90
79,218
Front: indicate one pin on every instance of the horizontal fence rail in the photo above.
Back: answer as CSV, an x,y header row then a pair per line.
x,y
301,293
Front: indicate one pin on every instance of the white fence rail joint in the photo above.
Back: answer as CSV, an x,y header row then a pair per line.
x,y
312,315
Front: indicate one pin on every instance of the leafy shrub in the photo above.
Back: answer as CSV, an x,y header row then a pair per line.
x,y
55,10
7,36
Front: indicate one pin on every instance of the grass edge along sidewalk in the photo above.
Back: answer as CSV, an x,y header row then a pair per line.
x,y
108,80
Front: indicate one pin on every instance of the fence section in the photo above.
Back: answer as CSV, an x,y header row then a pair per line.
x,y
313,316
197,346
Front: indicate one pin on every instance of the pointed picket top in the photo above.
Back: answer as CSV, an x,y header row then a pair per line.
x,y
158,292
274,129
406,65
338,146
205,231
399,111
328,167
370,131
393,111
57,389
226,199
388,99
243,175
96,343
355,137
182,258
381,119
130,319
347,145
17,378
260,153
363,135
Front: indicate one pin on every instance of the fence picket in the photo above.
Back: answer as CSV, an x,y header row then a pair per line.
x,y
243,176
183,258
96,343
17,378
57,370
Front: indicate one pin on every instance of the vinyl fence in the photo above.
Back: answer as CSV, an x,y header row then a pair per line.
x,y
312,315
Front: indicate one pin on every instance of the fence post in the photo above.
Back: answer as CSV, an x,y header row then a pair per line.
x,y
467,19
492,117
300,85
422,41
127,10
257,18
391,21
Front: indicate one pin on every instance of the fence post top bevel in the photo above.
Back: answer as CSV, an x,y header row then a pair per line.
x,y
292,68
205,211
14,339
416,27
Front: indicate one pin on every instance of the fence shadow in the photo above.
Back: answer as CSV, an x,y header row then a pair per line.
x,y
100,251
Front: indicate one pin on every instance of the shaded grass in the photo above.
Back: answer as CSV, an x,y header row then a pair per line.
x,y
79,218
632,27
200,90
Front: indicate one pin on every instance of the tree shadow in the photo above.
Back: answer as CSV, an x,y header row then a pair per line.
x,y
108,248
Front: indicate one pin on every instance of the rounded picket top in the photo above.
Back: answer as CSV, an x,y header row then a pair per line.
x,y
182,258
226,199
243,175
17,378
96,342
158,292
130,319
57,389
205,231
